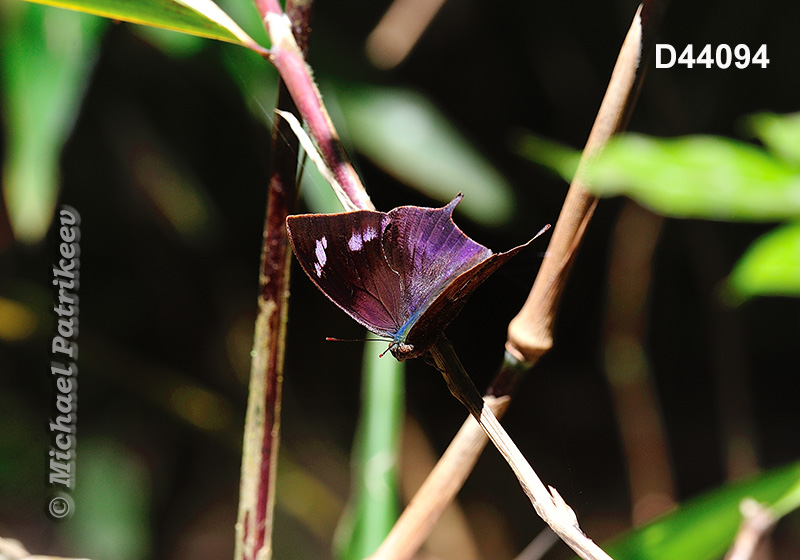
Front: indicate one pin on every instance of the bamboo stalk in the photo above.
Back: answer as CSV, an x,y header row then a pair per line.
x,y
547,502
530,333
262,423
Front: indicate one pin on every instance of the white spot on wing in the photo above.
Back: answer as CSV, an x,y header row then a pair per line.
x,y
370,234
322,258
355,242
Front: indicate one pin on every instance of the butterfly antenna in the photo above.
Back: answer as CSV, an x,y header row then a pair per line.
x,y
382,354
541,231
333,339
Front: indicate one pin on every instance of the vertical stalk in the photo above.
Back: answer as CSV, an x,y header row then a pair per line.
x,y
262,424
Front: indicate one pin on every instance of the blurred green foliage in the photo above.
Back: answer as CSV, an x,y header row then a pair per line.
x,y
712,178
705,527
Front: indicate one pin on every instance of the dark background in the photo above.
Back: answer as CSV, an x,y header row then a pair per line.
x,y
163,318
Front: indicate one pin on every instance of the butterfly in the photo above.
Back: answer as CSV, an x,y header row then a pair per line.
x,y
403,274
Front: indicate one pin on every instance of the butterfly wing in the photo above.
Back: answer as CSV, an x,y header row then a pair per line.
x,y
343,255
429,249
448,304
445,266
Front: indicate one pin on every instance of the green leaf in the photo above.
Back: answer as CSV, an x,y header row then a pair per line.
x,y
704,528
556,157
770,267
406,135
374,503
195,17
47,58
780,133
698,176
112,503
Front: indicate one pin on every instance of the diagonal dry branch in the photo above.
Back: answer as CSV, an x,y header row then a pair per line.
x,y
530,333
547,502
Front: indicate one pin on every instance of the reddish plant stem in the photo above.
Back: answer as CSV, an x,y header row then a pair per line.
x,y
262,427
287,57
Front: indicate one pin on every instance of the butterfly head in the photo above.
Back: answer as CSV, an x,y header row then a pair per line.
x,y
400,350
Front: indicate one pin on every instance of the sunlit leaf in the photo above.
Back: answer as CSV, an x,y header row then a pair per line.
x,y
699,176
704,528
556,157
771,265
47,57
406,135
196,17
780,133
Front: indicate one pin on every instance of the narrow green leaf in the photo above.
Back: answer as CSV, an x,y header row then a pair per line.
x,y
771,265
406,135
112,503
780,133
699,176
558,158
196,17
704,528
47,57
374,503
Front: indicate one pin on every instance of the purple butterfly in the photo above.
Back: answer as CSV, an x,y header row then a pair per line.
x,y
404,274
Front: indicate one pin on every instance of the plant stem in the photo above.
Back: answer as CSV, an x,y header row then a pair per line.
x,y
547,502
262,423
287,57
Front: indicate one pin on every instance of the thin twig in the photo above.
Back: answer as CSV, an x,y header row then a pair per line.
x,y
547,502
757,521
539,546
11,549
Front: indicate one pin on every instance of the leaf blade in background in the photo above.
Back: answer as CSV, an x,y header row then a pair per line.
x,y
698,177
406,135
770,266
48,56
704,528
113,495
780,133
558,158
196,17
374,502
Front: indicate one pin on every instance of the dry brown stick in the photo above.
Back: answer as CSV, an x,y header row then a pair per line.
x,y
627,367
547,502
530,333
758,520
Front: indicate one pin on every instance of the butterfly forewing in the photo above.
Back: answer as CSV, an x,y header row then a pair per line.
x,y
431,251
343,255
448,304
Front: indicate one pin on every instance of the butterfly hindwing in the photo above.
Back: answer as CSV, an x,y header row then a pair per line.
x,y
343,255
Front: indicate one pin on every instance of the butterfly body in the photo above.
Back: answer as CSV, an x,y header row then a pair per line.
x,y
404,274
